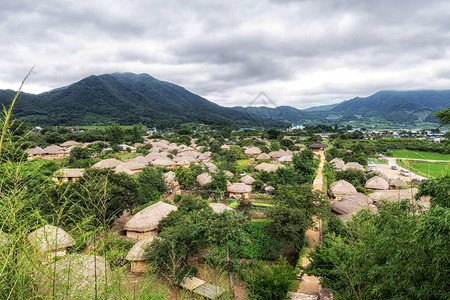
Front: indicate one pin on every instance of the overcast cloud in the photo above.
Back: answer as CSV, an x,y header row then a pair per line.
x,y
300,53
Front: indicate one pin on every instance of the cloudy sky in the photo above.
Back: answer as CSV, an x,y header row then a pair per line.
x,y
301,53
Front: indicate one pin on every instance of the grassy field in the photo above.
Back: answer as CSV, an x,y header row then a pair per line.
x,y
420,155
436,168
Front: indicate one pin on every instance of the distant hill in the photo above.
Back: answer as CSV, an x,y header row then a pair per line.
x,y
125,98
128,98
385,108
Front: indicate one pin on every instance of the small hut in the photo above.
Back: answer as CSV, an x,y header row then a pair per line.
x,y
66,175
247,179
51,241
203,179
54,152
165,162
107,163
219,207
89,276
152,156
169,177
392,195
134,167
317,146
70,144
144,223
267,167
276,154
338,163
376,183
225,147
252,151
354,165
136,255
263,156
396,183
351,204
229,174
342,188
139,159
239,190
211,167
34,152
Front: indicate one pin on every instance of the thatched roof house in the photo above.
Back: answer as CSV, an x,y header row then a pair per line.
x,y
33,152
277,154
229,174
165,162
107,163
203,179
89,276
354,165
51,240
342,188
252,151
219,207
136,255
169,177
247,179
239,190
211,167
268,167
70,144
351,204
376,183
396,183
54,151
393,195
139,159
225,147
205,156
317,146
263,156
69,174
152,156
135,167
144,223
338,163
286,158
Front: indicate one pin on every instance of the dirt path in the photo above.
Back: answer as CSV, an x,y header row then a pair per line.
x,y
310,285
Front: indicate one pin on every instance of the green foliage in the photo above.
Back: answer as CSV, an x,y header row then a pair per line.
x,y
398,253
151,185
115,135
438,189
270,282
218,183
443,116
354,176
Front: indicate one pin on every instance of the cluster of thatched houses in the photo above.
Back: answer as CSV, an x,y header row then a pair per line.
x,y
347,201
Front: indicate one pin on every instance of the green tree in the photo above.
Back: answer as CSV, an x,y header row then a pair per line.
x,y
151,185
443,116
115,134
438,189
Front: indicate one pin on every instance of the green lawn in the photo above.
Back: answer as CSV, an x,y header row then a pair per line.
x,y
436,169
420,155
242,162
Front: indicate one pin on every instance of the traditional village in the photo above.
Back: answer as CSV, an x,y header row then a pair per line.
x,y
275,193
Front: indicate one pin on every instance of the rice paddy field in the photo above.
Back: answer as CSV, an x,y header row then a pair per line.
x,y
420,155
435,169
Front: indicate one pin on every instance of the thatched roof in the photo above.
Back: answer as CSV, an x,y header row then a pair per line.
x,y
69,172
338,163
205,156
137,253
225,147
169,177
124,170
152,156
132,166
376,183
393,195
286,158
34,151
204,178
267,167
88,273
239,188
139,159
211,167
354,165
70,143
229,174
3,238
193,155
148,218
53,149
247,179
342,188
219,207
351,204
163,162
50,238
252,151
107,163
263,156
277,154
396,183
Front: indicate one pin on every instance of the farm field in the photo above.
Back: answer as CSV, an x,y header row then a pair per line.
x,y
420,155
436,168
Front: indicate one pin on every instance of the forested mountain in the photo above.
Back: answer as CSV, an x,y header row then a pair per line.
x,y
128,98
124,98
382,108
